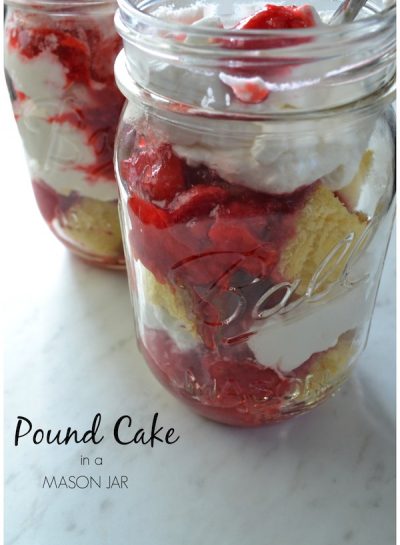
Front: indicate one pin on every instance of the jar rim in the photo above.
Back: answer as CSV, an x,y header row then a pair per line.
x,y
39,4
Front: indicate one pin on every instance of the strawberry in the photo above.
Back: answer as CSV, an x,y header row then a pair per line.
x,y
279,17
271,17
233,237
165,177
148,213
47,200
132,170
244,381
73,53
197,201
158,173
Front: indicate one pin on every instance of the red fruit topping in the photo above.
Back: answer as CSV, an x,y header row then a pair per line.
x,y
232,388
253,382
81,48
47,200
158,173
206,269
197,230
247,79
148,213
262,261
279,17
72,52
197,201
209,238
233,237
247,90
20,96
202,175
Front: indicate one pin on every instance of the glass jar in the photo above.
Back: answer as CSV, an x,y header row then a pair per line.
x,y
59,62
256,178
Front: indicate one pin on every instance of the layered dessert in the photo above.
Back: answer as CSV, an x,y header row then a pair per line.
x,y
59,67
247,246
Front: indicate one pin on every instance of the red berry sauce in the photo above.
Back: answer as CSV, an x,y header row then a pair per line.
x,y
201,234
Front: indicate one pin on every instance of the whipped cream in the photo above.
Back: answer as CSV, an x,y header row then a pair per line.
x,y
287,341
280,160
57,152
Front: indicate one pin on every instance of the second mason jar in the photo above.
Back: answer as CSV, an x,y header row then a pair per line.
x,y
59,59
255,168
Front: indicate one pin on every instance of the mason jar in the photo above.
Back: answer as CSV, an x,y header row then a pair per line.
x,y
255,164
59,59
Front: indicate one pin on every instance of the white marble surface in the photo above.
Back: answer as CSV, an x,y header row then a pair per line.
x,y
326,478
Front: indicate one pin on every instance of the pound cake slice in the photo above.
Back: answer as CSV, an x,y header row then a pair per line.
x,y
321,229
174,302
94,225
327,368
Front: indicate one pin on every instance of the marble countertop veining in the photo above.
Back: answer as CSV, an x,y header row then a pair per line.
x,y
326,478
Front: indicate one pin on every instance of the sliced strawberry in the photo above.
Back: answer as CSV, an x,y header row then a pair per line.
x,y
262,261
251,210
233,237
194,233
157,172
279,17
47,200
165,177
207,269
132,170
148,213
175,250
197,201
271,17
72,51
247,90
197,230
74,55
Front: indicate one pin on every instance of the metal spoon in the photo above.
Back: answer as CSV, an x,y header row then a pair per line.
x,y
347,11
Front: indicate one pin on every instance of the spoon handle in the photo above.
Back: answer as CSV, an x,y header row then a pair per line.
x,y
347,11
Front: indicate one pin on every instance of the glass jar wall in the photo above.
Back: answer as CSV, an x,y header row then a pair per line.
x,y
59,59
256,178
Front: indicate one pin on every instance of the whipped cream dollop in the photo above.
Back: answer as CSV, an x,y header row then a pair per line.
x,y
275,156
311,330
279,161
287,339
